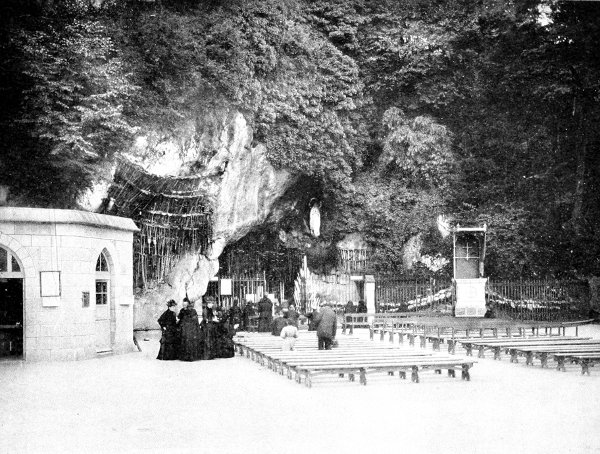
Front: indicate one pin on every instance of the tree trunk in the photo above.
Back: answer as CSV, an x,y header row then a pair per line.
x,y
580,172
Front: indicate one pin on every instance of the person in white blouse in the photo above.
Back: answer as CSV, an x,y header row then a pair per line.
x,y
289,334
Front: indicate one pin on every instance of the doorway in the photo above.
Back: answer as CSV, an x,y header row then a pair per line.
x,y
11,306
11,318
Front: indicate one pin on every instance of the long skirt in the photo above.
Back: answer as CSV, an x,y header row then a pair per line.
x,y
190,346
264,324
209,340
169,344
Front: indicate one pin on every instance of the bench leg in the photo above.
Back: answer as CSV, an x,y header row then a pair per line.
x,y
382,334
496,353
451,373
481,353
402,374
560,363
392,337
308,380
298,377
529,359
469,348
363,377
436,344
438,371
351,377
585,367
371,333
400,337
415,374
423,342
450,344
544,359
465,372
391,373
514,356
341,375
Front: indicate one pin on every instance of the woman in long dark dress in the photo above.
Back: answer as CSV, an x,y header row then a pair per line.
x,y
169,342
190,348
225,332
209,335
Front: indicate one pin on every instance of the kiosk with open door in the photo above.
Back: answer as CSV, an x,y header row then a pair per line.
x,y
469,280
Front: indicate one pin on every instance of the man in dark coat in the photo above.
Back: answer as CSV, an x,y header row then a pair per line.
x,y
246,314
278,324
349,309
326,323
265,315
362,307
293,315
235,314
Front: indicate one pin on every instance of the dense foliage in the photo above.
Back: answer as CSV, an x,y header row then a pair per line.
x,y
396,111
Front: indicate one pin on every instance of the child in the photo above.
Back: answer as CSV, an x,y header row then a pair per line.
x,y
289,335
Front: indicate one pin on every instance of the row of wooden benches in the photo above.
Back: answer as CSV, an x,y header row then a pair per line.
x,y
581,350
352,357
533,341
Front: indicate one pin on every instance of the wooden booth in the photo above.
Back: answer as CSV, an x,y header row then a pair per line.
x,y
469,281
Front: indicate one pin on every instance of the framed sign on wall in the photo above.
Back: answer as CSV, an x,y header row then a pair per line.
x,y
49,283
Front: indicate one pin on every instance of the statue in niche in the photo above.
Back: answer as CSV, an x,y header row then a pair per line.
x,y
315,217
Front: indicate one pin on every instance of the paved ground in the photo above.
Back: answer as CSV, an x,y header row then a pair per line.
x,y
134,403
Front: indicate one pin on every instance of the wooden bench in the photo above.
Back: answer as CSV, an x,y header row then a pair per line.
x,y
290,364
585,360
497,345
402,366
264,355
545,351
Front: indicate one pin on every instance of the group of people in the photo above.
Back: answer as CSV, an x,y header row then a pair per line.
x,y
351,309
189,336
323,321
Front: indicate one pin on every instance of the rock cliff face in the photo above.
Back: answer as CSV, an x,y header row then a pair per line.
x,y
241,185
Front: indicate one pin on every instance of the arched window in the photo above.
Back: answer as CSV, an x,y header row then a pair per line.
x,y
9,264
102,280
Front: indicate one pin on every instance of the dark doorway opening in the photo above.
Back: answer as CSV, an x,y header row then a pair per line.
x,y
11,317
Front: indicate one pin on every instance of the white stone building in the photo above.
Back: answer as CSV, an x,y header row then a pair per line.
x,y
66,284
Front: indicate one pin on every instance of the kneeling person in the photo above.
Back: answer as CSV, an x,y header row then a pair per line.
x,y
289,334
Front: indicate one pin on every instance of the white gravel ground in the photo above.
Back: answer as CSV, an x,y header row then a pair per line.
x,y
134,403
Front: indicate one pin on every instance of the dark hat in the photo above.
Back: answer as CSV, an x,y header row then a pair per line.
x,y
171,303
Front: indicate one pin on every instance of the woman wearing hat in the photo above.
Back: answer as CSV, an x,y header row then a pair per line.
x,y
169,342
190,348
